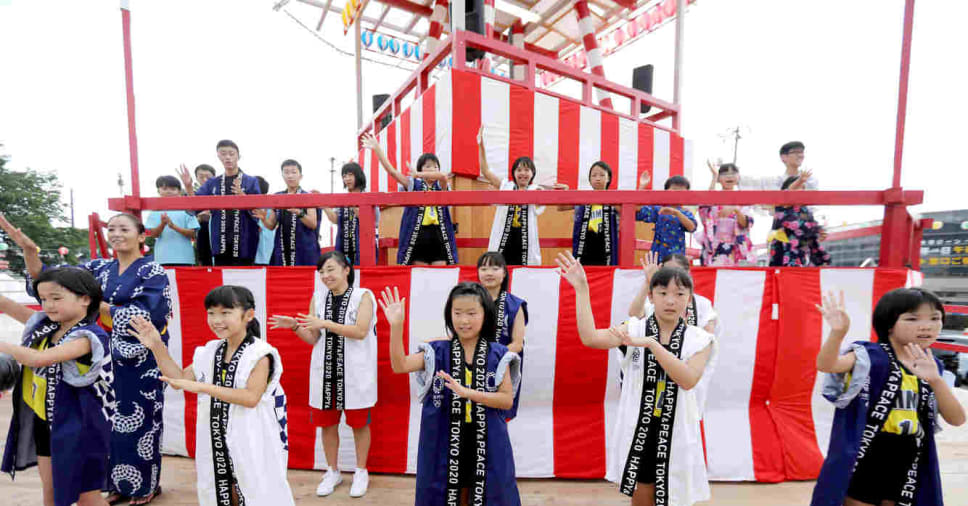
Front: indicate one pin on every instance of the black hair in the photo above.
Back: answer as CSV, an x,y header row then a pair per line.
x,y
678,258
667,275
134,221
290,163
233,296
471,289
678,181
897,302
77,281
496,259
263,185
225,143
168,182
788,182
528,163
424,158
205,167
357,171
728,167
604,166
790,146
340,258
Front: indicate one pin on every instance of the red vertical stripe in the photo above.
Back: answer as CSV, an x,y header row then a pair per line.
x,y
646,150
798,341
767,449
568,136
429,117
521,119
580,379
193,286
468,273
676,155
390,416
466,100
609,144
391,155
405,155
374,176
885,280
298,283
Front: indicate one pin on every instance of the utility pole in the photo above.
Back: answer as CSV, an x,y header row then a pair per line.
x,y
72,208
332,174
120,185
736,133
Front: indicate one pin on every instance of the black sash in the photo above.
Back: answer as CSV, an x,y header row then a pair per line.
x,y
508,222
477,494
605,230
349,221
444,237
334,386
236,221
877,415
502,324
219,420
692,313
653,374
287,236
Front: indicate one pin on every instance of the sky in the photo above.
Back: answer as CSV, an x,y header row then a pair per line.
x,y
823,71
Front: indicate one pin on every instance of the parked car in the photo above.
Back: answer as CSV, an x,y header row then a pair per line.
x,y
953,361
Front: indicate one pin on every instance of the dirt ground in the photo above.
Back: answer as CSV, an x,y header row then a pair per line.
x,y
178,482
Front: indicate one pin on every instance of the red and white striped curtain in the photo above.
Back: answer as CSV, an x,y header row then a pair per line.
x,y
764,419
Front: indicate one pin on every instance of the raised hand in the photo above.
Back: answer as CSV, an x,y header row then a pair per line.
x,y
145,332
571,270
309,322
278,321
370,142
185,176
835,312
650,264
644,180
924,365
17,235
237,187
713,168
259,213
165,219
480,137
393,305
452,384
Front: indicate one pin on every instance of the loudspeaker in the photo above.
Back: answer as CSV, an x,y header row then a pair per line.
x,y
378,100
473,22
642,81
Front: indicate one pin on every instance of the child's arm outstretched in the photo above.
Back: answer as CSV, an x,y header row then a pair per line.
x,y
572,271
17,311
686,373
829,359
486,171
146,333
925,368
357,331
392,306
30,250
650,264
30,357
502,399
370,142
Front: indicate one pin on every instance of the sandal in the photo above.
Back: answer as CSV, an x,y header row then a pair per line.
x,y
139,501
116,498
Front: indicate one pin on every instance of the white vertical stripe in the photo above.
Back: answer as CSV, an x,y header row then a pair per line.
x,y
589,143
495,118
255,281
628,153
173,437
625,284
729,451
858,288
428,295
546,138
381,184
365,164
532,432
687,157
443,131
661,158
416,133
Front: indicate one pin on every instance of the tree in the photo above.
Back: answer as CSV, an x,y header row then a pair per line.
x,y
31,201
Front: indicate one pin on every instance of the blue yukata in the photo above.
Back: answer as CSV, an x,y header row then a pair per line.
x,y
872,365
348,233
501,488
669,236
223,224
141,290
510,305
294,243
415,218
594,237
77,404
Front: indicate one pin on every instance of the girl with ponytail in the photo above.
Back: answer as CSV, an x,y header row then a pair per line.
x,y
237,378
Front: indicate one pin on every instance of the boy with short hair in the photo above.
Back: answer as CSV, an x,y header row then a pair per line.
x,y
203,246
296,238
671,223
173,230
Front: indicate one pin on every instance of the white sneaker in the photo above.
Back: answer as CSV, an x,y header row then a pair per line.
x,y
331,479
361,481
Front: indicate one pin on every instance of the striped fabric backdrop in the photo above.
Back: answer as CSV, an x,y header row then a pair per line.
x,y
764,421
562,136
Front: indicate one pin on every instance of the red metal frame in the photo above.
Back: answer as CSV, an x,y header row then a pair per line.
x,y
129,93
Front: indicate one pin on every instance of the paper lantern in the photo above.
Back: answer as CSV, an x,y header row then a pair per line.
x,y
382,42
366,38
394,46
632,29
62,250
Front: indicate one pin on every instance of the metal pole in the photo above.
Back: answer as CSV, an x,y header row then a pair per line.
x,y
902,90
72,208
359,74
332,174
735,144
129,89
677,66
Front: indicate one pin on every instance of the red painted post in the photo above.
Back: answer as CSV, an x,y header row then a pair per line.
x,y
91,239
594,53
367,235
129,92
626,235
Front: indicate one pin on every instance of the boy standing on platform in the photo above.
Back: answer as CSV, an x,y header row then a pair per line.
x,y
173,230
